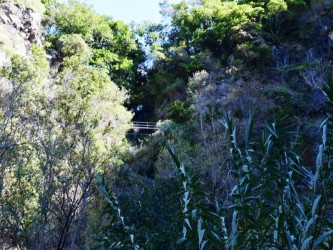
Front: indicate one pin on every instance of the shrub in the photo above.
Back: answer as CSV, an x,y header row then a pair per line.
x,y
275,202
179,111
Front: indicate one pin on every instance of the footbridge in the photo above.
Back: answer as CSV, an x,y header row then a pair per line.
x,y
145,125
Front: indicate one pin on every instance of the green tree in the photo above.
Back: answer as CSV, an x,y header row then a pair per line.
x,y
58,134
112,43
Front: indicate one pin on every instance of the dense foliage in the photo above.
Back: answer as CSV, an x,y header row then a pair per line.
x,y
242,159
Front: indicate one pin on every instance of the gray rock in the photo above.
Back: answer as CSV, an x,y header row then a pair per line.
x,y
10,8
3,17
281,55
16,22
36,20
19,29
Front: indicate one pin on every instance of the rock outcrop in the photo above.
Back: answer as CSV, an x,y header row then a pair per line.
x,y
20,27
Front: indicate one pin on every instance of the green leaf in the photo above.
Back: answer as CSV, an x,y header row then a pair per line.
x,y
201,233
306,242
319,240
315,205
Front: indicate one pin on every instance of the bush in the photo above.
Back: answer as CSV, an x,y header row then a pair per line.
x,y
274,201
255,57
179,111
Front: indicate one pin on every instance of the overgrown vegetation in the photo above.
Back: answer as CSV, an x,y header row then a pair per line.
x,y
213,176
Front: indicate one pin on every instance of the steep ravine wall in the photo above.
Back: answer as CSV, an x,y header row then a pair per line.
x,y
20,27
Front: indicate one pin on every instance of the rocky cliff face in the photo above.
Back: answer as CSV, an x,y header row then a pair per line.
x,y
20,27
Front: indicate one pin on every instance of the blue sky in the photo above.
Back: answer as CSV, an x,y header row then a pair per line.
x,y
129,10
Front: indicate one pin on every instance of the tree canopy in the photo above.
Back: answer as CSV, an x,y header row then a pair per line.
x,y
241,156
